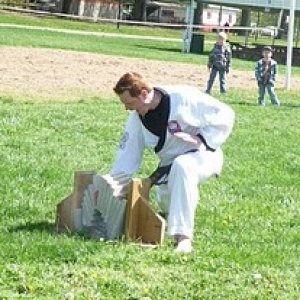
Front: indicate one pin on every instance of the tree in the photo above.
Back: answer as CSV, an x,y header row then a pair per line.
x,y
139,10
198,19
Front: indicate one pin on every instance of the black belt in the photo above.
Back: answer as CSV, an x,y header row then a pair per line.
x,y
160,175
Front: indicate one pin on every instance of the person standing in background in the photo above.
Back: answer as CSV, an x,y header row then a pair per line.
x,y
266,70
219,62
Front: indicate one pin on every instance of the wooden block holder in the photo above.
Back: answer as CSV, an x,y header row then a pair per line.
x,y
141,222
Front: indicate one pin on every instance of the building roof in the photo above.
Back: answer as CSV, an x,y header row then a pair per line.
x,y
263,4
164,4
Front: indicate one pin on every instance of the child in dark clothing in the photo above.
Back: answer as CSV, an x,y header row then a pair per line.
x,y
265,73
219,62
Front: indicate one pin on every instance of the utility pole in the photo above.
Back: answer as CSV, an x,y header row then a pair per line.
x,y
289,55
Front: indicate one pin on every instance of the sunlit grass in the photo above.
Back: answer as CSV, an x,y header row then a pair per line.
x,y
247,224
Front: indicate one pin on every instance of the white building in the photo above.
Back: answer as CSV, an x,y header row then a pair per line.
x,y
262,4
163,12
216,15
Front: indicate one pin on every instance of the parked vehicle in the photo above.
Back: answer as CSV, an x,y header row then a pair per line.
x,y
269,31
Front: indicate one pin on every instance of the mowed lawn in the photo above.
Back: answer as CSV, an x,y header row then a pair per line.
x,y
247,233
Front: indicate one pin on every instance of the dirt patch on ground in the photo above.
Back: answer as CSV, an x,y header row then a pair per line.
x,y
53,74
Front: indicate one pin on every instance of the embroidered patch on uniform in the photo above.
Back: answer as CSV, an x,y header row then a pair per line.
x,y
173,127
124,140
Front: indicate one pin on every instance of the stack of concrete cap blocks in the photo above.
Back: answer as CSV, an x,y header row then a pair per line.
x,y
107,208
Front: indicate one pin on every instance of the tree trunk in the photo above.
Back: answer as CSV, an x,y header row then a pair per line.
x,y
198,19
245,21
139,10
282,23
66,6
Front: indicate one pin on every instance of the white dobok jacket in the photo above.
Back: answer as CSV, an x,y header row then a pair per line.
x,y
191,111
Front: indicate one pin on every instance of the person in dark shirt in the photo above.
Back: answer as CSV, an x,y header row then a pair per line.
x,y
219,62
266,70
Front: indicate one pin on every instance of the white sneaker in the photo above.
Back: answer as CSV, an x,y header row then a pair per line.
x,y
184,246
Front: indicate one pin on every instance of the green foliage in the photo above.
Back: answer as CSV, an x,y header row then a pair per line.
x,y
265,18
247,224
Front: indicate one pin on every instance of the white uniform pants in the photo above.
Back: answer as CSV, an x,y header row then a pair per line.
x,y
180,195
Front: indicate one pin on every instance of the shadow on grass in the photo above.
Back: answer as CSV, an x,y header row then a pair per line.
x,y
50,228
175,50
291,105
239,103
38,226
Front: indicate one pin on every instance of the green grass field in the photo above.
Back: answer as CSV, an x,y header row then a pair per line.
x,y
247,239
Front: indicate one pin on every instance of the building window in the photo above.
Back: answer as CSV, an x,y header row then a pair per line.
x,y
167,13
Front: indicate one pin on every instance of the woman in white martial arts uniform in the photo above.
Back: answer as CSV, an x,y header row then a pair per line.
x,y
186,128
